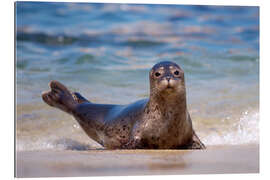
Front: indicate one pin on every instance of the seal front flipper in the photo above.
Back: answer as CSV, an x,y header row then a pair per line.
x,y
196,143
133,144
59,97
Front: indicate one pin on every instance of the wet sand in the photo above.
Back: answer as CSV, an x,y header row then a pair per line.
x,y
215,160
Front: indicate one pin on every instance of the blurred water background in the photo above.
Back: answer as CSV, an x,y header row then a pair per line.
x,y
105,51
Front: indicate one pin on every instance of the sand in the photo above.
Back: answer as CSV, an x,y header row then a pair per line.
x,y
222,159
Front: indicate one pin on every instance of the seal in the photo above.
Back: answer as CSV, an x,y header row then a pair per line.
x,y
161,121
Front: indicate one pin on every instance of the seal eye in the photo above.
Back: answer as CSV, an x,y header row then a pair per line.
x,y
157,74
176,73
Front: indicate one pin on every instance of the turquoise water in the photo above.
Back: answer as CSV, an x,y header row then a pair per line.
x,y
105,51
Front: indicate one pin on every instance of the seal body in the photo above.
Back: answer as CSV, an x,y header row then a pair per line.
x,y
160,122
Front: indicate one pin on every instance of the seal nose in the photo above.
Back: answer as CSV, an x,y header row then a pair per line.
x,y
169,81
168,78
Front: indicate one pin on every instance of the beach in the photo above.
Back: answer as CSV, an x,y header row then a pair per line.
x,y
214,160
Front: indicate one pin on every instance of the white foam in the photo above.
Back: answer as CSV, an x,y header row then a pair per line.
x,y
54,143
246,131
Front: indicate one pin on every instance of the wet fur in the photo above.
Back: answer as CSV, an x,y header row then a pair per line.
x,y
160,122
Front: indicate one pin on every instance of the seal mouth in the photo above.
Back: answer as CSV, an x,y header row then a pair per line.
x,y
169,86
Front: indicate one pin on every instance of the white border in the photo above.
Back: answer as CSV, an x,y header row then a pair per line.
x,y
7,85
187,2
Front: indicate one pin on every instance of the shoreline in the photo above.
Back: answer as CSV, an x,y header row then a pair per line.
x,y
67,163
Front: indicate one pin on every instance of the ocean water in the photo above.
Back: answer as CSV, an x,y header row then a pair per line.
x,y
105,52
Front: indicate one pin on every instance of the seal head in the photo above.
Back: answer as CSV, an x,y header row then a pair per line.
x,y
167,81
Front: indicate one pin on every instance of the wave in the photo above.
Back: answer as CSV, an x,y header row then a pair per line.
x,y
245,131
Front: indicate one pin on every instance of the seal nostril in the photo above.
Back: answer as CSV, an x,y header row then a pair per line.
x,y
157,74
168,78
176,73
